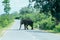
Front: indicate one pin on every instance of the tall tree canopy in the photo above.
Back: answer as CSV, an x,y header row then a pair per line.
x,y
49,5
6,6
26,10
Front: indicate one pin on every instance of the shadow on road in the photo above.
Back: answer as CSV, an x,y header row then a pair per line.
x,y
33,31
36,31
14,29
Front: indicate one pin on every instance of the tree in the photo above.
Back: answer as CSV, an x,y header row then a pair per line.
x,y
6,6
49,5
25,10
7,18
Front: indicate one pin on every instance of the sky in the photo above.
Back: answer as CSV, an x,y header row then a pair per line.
x,y
15,5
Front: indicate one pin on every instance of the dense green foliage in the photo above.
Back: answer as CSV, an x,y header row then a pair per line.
x,y
5,20
57,28
49,5
42,20
45,14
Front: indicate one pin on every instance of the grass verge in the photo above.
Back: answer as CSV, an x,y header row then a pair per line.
x,y
2,30
49,31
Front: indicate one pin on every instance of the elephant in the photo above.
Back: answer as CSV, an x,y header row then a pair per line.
x,y
26,22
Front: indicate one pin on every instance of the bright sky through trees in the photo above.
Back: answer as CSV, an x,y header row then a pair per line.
x,y
16,5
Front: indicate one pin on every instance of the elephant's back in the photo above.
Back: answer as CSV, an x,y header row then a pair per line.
x,y
27,21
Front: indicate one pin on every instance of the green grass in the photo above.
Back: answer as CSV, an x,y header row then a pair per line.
x,y
52,31
49,31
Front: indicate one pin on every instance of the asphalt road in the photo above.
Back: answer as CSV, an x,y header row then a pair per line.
x,y
14,34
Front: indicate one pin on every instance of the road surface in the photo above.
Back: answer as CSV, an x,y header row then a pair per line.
x,y
14,34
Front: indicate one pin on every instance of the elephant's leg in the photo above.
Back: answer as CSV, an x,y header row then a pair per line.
x,y
27,27
24,27
31,27
20,26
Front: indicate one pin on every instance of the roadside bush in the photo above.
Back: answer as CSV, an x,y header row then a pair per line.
x,y
5,20
4,23
57,28
36,25
47,24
